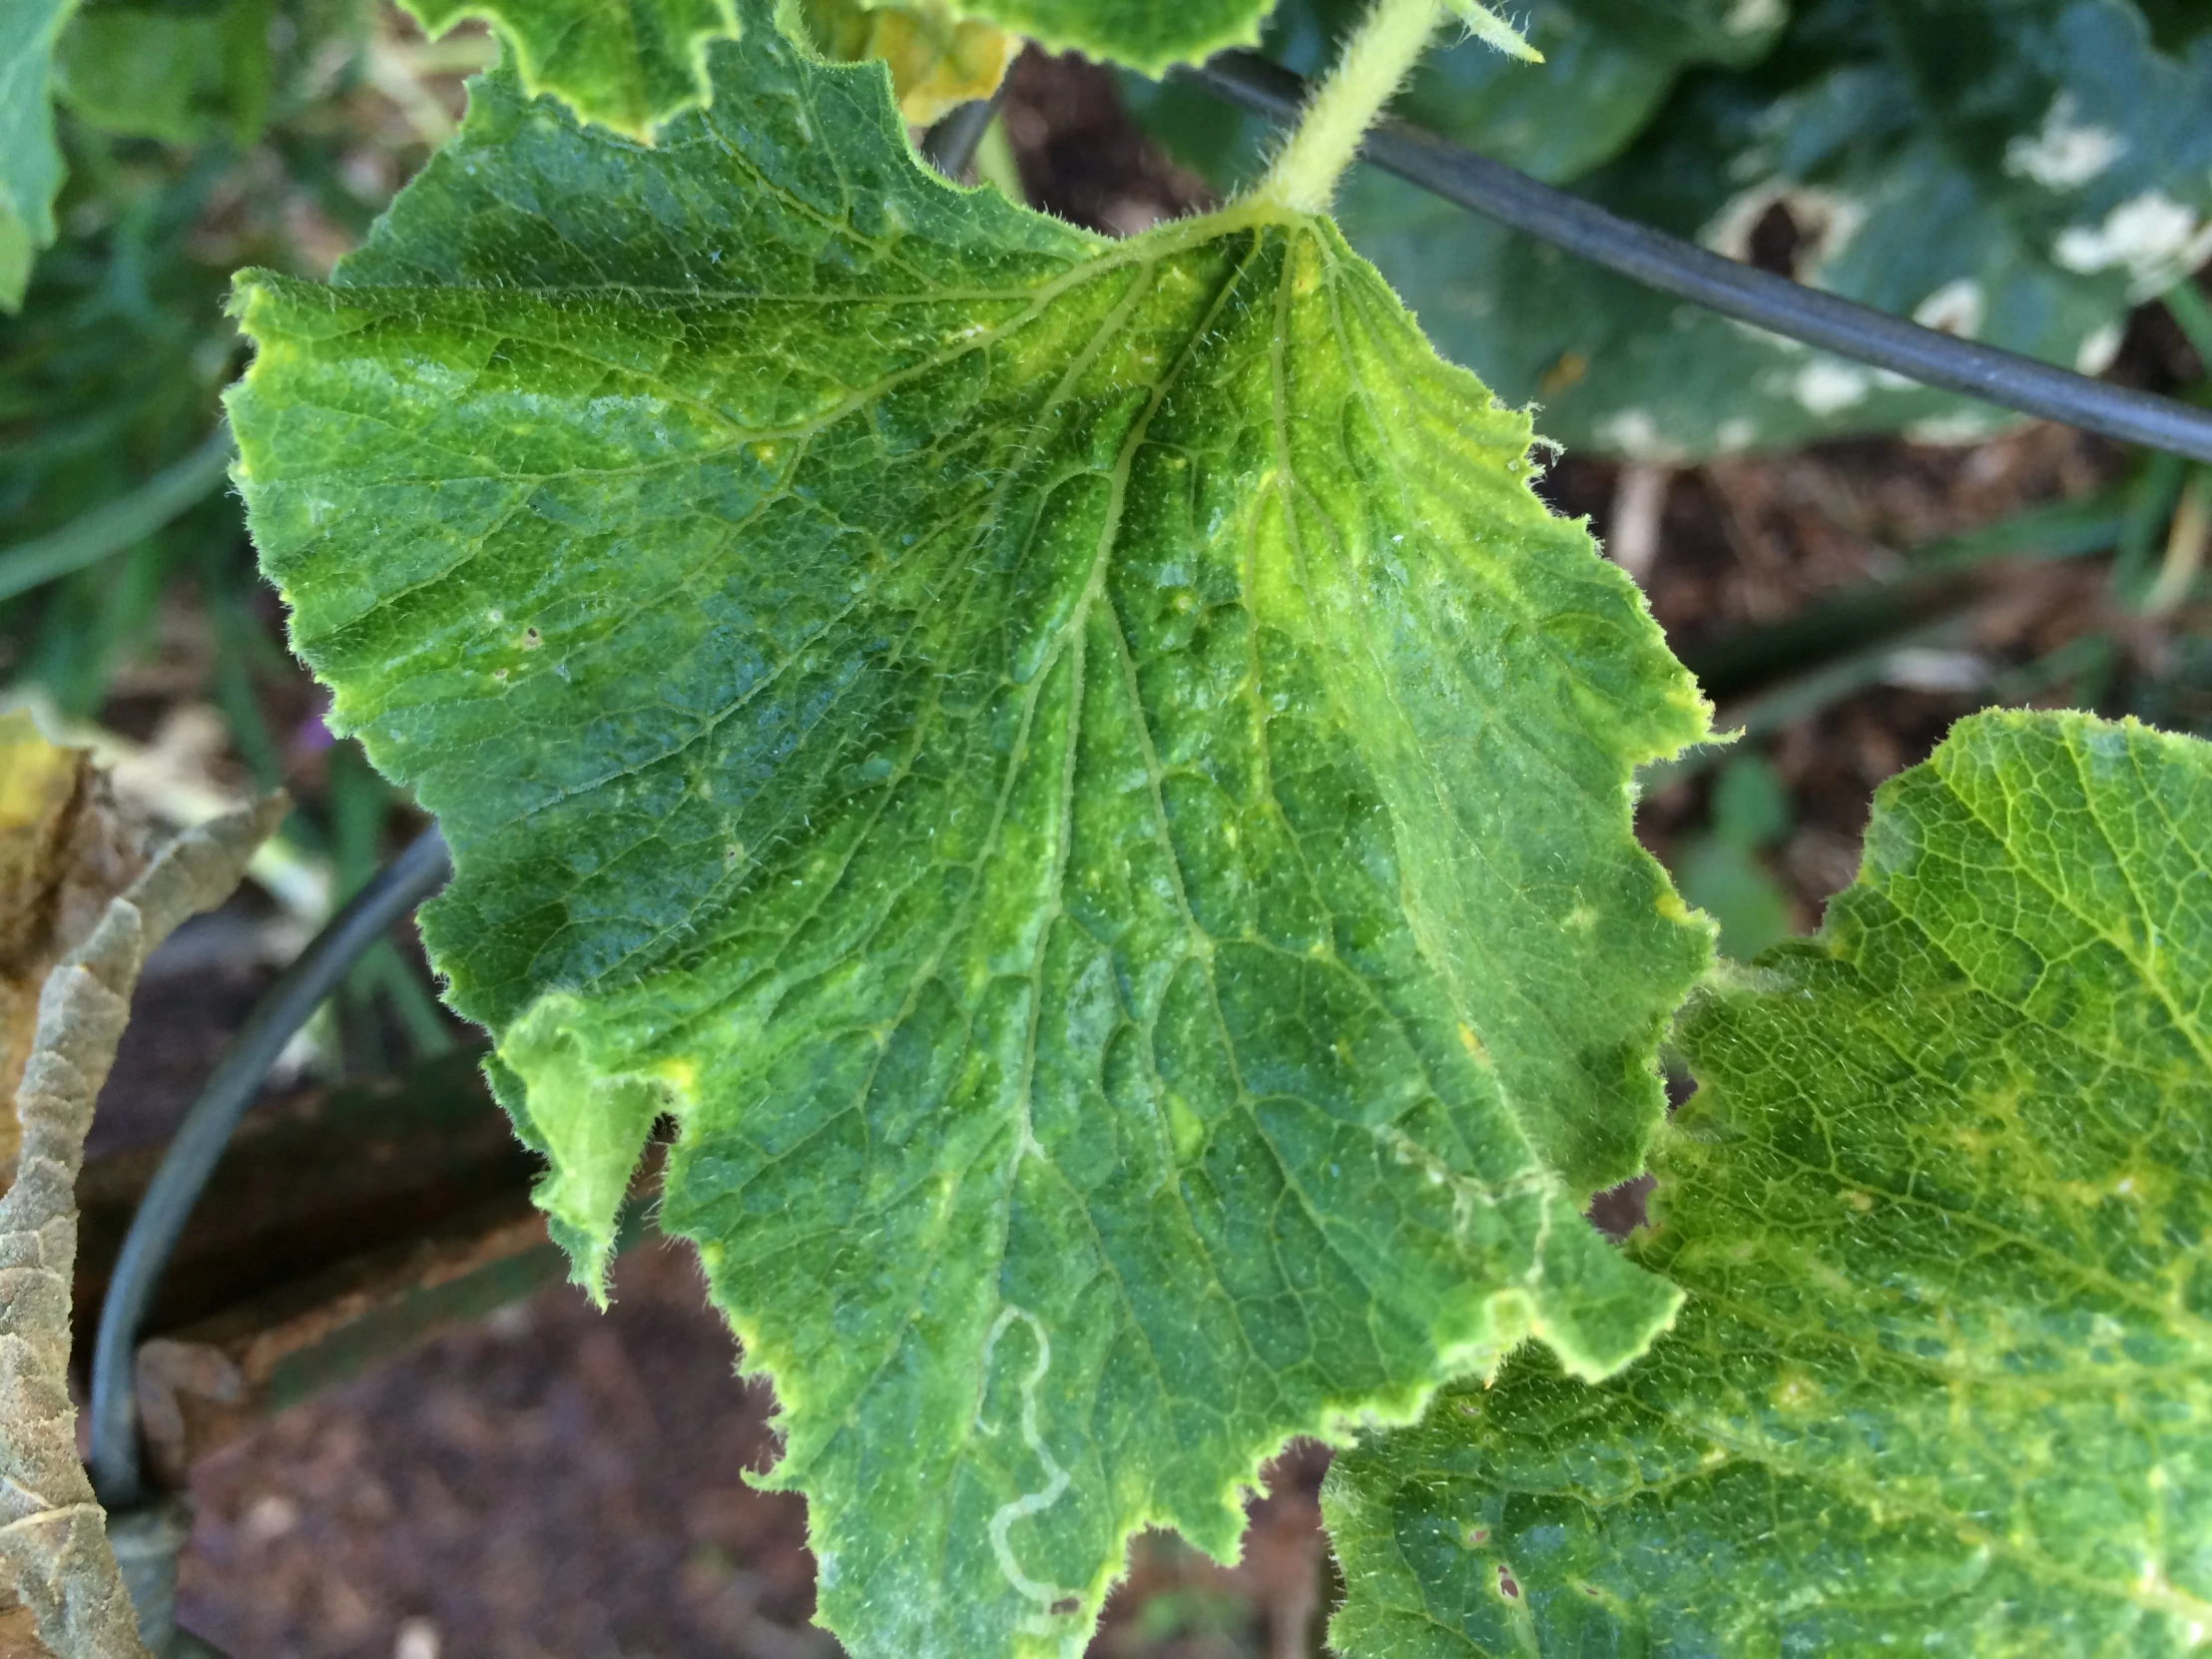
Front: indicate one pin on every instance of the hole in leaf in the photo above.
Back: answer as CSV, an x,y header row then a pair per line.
x,y
1776,240
1619,1211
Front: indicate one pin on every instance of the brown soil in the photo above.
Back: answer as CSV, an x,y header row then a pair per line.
x,y
561,1482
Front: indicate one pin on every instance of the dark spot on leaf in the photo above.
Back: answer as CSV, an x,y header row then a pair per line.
x,y
1505,1585
1680,1086
1066,1606
1477,1536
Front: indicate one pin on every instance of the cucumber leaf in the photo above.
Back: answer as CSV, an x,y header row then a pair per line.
x,y
1940,1206
1080,774
2019,174
626,64
30,161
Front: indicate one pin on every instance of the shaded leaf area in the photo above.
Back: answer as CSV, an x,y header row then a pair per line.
x,y
2015,174
62,861
30,162
627,64
1607,66
1939,1204
1080,773
184,72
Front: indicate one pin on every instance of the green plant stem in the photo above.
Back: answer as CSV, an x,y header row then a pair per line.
x,y
2186,304
1375,62
995,163
108,530
2186,540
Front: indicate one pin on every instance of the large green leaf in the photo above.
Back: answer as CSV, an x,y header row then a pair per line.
x,y
30,163
179,72
1607,64
626,64
1080,773
1941,1204
2016,171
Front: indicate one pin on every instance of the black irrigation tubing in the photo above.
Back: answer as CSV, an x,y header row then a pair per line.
x,y
1722,284
199,1142
950,144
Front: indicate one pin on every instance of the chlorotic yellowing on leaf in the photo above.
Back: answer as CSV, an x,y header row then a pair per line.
x,y
1079,774
1145,35
1943,1380
937,61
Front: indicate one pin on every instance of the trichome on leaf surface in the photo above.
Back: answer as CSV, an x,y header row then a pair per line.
x,y
1083,780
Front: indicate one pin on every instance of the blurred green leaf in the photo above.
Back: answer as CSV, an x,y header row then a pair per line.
x,y
167,69
1729,883
2019,173
1720,869
111,376
1749,807
1608,63
30,161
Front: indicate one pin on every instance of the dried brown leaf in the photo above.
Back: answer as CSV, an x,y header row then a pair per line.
x,y
60,1590
66,849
